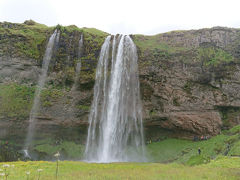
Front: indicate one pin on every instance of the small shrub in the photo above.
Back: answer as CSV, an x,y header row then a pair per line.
x,y
29,22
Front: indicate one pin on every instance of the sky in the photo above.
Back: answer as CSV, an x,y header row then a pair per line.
x,y
125,16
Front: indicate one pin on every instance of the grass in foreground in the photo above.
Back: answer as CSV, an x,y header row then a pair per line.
x,y
221,168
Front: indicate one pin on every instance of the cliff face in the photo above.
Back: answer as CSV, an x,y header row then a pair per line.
x,y
190,81
64,111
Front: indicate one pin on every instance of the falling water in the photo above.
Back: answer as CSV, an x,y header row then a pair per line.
x,y
115,130
42,79
80,46
79,64
26,154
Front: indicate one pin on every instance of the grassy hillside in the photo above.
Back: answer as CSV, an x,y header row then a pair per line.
x,y
185,151
22,40
29,39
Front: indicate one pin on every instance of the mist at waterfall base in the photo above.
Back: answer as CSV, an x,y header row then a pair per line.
x,y
41,82
115,132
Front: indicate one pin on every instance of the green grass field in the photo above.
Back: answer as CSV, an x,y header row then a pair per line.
x,y
222,168
168,159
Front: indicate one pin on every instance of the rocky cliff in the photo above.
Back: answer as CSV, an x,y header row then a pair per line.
x,y
190,82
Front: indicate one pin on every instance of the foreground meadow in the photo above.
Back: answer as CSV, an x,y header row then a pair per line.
x,y
222,168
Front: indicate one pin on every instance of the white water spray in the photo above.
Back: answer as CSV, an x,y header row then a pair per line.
x,y
115,130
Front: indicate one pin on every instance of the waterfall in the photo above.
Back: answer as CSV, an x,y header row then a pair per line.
x,y
80,46
115,130
79,64
41,82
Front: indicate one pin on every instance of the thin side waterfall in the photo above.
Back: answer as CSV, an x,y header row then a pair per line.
x,y
115,130
41,82
79,64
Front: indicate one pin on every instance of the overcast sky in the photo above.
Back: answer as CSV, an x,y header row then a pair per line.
x,y
125,16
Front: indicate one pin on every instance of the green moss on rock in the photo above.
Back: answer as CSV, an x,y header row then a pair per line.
x,y
228,114
50,95
15,100
24,40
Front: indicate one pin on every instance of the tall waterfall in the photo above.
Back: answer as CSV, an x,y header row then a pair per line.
x,y
115,130
79,64
41,82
